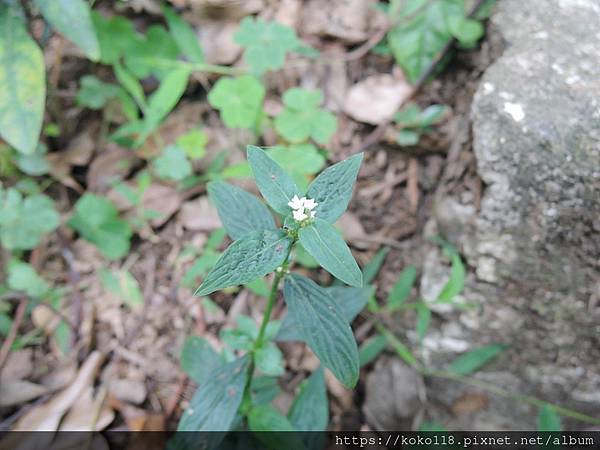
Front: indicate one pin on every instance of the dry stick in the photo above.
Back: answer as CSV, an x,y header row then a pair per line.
x,y
12,334
74,279
377,134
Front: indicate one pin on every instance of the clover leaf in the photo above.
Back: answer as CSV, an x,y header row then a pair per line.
x,y
423,29
173,164
23,277
303,119
266,43
239,100
23,221
97,220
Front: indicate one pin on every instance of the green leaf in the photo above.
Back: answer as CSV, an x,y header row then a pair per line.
x,y
310,410
240,212
275,185
144,54
94,94
22,82
24,221
350,300
300,161
97,220
372,268
72,18
475,359
371,348
184,35
264,389
423,320
401,290
131,84
267,418
407,138
193,143
164,99
266,43
124,285
116,35
23,277
248,258
34,164
466,31
423,29
215,404
239,101
236,339
456,283
547,419
323,242
303,119
199,359
269,360
332,189
173,164
323,327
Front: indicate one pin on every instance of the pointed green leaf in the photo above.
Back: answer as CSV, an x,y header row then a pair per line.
x,y
371,348
248,258
548,420
184,35
269,360
199,359
423,320
402,288
22,82
332,189
475,359
323,242
267,418
456,283
216,402
372,268
310,410
240,212
164,99
350,301
323,327
275,185
72,18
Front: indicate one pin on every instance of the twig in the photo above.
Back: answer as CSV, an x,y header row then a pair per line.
x,y
12,334
74,279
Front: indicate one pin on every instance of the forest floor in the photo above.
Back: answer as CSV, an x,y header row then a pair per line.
x,y
139,346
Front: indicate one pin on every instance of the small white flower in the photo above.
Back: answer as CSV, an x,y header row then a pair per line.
x,y
296,203
299,215
309,203
312,214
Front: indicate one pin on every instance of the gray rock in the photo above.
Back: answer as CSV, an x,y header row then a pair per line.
x,y
395,395
535,244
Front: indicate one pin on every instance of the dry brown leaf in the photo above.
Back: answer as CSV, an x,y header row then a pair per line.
x,y
470,402
351,227
89,412
45,319
127,390
218,44
112,165
375,99
20,391
46,417
337,389
18,366
64,373
346,20
199,215
289,13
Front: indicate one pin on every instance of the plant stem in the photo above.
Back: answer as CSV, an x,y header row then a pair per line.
x,y
270,303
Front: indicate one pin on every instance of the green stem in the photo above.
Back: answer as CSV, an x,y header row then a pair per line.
x,y
269,309
263,326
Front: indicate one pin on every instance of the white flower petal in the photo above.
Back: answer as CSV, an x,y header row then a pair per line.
x,y
310,203
296,203
299,215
